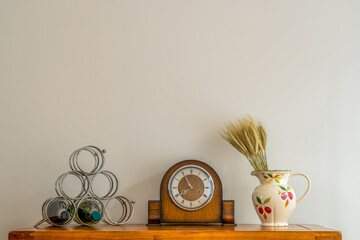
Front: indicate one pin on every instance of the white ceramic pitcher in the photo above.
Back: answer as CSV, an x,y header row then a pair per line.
x,y
274,200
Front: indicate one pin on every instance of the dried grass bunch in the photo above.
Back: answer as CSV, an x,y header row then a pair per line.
x,y
249,138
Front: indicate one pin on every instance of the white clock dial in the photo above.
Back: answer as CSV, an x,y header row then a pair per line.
x,y
191,187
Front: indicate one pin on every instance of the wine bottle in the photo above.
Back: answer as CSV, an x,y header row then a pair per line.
x,y
58,211
89,211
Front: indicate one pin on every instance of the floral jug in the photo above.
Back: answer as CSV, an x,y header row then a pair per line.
x,y
274,200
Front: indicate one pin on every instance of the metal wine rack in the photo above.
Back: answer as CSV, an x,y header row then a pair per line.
x,y
86,179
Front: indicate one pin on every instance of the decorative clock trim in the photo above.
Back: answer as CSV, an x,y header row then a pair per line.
x,y
207,192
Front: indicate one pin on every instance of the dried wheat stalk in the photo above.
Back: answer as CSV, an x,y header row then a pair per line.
x,y
249,138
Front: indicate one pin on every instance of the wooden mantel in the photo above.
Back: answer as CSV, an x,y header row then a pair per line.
x,y
243,232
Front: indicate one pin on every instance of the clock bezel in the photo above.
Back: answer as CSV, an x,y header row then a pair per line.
x,y
210,178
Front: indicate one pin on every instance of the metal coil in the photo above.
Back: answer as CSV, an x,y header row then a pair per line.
x,y
85,185
68,205
98,155
72,204
127,211
78,204
113,184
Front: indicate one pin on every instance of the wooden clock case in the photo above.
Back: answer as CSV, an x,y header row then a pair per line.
x,y
216,212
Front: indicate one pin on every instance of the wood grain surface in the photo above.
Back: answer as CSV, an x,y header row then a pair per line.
x,y
135,232
154,212
228,212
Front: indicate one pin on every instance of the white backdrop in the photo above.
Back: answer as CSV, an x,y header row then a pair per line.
x,y
154,81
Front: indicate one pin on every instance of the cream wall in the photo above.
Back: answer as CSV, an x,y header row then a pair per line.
x,y
154,81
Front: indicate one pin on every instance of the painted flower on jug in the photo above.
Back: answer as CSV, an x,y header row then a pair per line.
x,y
262,208
286,195
276,178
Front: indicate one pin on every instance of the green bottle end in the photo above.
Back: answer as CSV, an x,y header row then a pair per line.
x,y
96,215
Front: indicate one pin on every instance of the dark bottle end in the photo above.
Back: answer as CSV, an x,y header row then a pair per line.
x,y
56,220
96,215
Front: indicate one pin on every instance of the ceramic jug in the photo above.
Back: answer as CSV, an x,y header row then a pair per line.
x,y
274,200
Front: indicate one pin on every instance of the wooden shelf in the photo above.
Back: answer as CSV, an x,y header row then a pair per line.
x,y
243,232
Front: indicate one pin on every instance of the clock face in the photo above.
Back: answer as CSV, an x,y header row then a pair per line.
x,y
191,187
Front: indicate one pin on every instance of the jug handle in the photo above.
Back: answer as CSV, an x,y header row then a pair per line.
x,y
308,187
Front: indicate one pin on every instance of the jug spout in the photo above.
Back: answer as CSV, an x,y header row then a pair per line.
x,y
256,174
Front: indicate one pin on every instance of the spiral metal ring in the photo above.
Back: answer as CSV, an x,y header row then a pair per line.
x,y
46,217
98,155
127,213
113,187
87,192
78,203
85,185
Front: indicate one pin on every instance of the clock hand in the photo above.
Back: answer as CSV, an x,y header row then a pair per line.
x,y
183,192
188,182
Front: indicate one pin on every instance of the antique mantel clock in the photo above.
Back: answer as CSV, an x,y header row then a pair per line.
x,y
191,193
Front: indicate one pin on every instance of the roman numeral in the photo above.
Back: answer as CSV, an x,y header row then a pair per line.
x,y
190,204
182,202
204,179
191,171
183,173
177,179
177,195
207,187
205,196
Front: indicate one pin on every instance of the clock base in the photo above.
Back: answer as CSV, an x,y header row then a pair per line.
x,y
154,215
192,224
186,224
